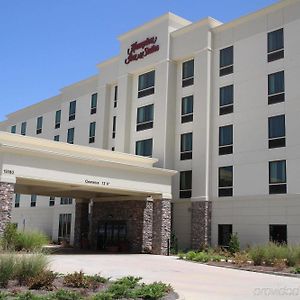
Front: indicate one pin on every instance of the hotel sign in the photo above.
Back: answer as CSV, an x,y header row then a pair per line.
x,y
139,50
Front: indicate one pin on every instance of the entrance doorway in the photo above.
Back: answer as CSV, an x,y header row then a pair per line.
x,y
112,236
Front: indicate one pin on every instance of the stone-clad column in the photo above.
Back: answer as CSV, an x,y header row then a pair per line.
x,y
201,224
81,222
161,226
6,199
148,226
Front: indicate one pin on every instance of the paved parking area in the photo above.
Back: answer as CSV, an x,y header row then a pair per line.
x,y
190,280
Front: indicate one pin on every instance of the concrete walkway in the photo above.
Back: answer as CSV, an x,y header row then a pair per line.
x,y
190,280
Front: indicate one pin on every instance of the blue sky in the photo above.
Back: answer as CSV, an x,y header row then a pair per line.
x,y
48,44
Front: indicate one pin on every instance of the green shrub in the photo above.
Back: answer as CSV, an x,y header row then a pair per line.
x,y
152,291
129,281
181,255
76,280
296,270
257,255
234,244
28,266
7,265
293,256
103,296
122,287
66,295
190,255
30,296
31,241
9,238
43,280
4,296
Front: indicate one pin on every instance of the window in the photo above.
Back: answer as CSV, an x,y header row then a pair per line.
x,y
92,132
72,110
39,125
52,201
17,200
277,177
226,99
146,84
186,146
187,104
66,201
278,234
116,96
112,148
23,128
64,227
224,234
13,129
56,138
57,119
144,147
94,100
277,131
276,87
226,61
185,185
188,73
225,181
70,138
144,118
275,45
225,140
114,127
33,201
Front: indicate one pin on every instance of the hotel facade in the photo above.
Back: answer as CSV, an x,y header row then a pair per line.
x,y
218,103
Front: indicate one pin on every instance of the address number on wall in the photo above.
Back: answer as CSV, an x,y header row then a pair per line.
x,y
7,171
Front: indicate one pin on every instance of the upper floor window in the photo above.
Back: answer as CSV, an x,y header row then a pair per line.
x,y
186,146
114,126
66,201
188,73
187,104
225,139
226,99
33,200
39,125
116,96
277,131
226,181
17,200
94,100
70,137
92,132
146,84
226,61
275,45
72,110
276,87
185,185
23,128
13,129
144,117
56,138
277,177
144,147
52,201
57,119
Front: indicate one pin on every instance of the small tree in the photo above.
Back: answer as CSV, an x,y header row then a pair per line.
x,y
234,243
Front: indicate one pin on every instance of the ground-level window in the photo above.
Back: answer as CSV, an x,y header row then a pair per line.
x,y
64,227
224,234
278,233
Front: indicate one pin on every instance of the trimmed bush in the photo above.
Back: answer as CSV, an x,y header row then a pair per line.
x,y
65,295
103,296
43,280
7,266
30,265
152,291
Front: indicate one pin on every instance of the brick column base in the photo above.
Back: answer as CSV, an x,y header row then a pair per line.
x,y
161,226
81,222
148,227
6,199
201,224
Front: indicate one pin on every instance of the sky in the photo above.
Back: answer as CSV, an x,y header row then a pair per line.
x,y
48,44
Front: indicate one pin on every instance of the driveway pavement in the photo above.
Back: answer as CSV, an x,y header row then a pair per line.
x,y
190,280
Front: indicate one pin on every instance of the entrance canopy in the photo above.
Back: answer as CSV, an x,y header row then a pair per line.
x,y
44,167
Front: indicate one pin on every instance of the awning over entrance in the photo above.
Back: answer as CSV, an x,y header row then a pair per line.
x,y
112,190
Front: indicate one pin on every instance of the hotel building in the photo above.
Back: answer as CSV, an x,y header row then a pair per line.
x,y
216,102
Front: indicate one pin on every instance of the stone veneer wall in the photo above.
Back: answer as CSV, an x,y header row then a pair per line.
x,y
201,224
137,214
6,199
81,221
161,226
